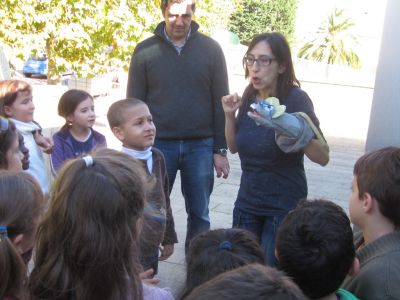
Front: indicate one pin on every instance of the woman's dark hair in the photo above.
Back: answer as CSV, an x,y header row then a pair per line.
x,y
216,251
281,51
87,243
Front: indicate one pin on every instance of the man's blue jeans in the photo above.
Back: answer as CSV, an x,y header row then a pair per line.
x,y
194,159
263,227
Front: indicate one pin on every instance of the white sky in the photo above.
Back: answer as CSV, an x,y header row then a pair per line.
x,y
368,16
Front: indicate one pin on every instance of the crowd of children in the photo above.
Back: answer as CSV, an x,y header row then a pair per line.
x,y
99,230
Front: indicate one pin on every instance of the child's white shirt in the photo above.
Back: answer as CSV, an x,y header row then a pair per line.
x,y
146,155
37,167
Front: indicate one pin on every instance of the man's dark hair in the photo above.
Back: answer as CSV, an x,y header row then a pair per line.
x,y
164,4
315,247
378,173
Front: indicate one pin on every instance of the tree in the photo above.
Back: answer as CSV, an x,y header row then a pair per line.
x,y
334,42
89,37
86,36
213,14
257,16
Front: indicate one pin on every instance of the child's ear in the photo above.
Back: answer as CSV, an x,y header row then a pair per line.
x,y
355,267
119,133
8,111
69,119
368,202
16,240
281,69
276,254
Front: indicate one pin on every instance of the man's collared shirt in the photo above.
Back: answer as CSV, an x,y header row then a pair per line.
x,y
178,48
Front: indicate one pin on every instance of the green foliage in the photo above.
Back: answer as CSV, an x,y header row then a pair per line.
x,y
257,16
87,36
334,42
90,37
213,14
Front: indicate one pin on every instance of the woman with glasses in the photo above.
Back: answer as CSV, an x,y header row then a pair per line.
x,y
10,154
273,180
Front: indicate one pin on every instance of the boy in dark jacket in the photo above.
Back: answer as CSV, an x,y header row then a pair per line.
x,y
131,122
374,207
314,246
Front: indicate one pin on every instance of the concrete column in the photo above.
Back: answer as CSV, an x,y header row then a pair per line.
x,y
384,124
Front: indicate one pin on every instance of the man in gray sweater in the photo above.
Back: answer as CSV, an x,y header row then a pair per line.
x,y
181,74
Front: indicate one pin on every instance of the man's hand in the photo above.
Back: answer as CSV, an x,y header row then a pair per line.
x,y
221,165
166,251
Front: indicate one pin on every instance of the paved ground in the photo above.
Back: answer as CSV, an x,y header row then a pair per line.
x,y
331,182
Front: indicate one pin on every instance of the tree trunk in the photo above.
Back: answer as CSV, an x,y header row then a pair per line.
x,y
52,74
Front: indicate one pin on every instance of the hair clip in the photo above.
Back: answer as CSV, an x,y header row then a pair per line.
x,y
88,159
225,245
3,232
4,124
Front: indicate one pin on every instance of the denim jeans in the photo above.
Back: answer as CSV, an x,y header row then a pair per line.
x,y
263,227
194,159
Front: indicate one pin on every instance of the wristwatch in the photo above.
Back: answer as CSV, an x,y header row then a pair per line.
x,y
223,152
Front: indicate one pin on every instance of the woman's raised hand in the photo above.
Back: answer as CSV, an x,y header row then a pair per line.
x,y
230,103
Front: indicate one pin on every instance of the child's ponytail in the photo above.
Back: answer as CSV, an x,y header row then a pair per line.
x,y
12,268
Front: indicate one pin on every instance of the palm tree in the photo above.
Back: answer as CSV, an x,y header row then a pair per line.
x,y
333,42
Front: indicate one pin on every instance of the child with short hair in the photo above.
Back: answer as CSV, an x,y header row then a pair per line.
x,y
314,246
21,205
76,137
87,243
16,103
374,207
10,155
250,282
131,122
216,251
